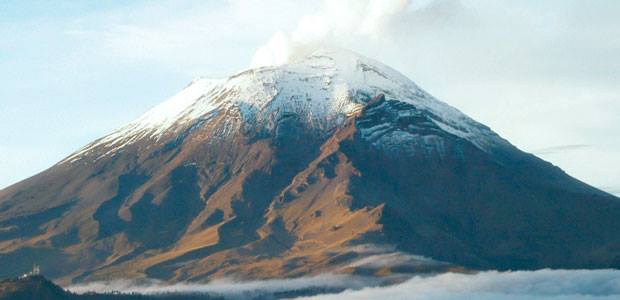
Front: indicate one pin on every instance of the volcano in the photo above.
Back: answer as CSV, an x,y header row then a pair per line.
x,y
331,163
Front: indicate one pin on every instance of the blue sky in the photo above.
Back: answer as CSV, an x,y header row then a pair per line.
x,y
542,74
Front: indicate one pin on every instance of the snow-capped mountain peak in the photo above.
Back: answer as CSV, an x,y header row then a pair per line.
x,y
292,169
322,88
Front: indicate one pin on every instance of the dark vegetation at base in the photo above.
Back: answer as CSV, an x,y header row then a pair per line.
x,y
38,287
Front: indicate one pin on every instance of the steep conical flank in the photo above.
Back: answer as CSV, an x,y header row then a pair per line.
x,y
321,91
333,163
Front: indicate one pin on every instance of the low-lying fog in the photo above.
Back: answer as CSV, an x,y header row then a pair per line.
x,y
541,284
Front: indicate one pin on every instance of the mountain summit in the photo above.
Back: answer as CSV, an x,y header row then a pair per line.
x,y
333,163
321,90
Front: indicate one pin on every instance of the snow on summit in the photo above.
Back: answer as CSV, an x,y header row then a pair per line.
x,y
322,88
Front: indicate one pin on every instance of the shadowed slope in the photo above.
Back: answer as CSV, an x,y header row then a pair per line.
x,y
305,168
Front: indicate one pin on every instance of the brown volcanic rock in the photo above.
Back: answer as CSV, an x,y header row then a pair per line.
x,y
300,179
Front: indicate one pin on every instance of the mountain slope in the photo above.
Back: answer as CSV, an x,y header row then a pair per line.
x,y
325,164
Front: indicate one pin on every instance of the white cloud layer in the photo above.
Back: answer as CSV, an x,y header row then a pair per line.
x,y
522,285
519,285
228,287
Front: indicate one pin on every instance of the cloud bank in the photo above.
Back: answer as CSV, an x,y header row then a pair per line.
x,y
230,288
521,285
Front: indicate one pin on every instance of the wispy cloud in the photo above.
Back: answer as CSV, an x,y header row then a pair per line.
x,y
559,149
393,260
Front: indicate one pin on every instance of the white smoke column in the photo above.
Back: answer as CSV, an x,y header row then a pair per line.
x,y
335,22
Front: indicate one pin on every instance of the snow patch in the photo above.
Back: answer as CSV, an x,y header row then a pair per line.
x,y
321,89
